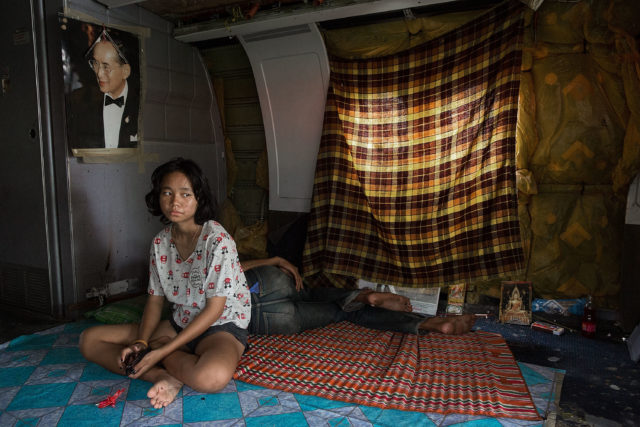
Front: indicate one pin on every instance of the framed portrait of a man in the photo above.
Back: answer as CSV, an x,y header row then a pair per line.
x,y
102,80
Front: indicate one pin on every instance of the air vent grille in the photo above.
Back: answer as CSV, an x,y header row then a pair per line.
x,y
25,287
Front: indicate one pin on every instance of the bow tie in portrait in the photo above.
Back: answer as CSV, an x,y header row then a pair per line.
x,y
118,101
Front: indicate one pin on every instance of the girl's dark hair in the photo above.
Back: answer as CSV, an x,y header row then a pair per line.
x,y
206,204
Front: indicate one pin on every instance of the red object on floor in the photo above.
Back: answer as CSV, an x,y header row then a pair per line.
x,y
111,400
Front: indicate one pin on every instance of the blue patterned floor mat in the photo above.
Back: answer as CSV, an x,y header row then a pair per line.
x,y
45,381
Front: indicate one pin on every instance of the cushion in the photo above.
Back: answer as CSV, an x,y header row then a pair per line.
x,y
124,311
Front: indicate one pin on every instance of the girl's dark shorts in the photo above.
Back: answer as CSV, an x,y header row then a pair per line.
x,y
239,333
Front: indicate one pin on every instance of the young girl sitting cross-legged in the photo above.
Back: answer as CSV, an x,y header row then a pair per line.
x,y
194,265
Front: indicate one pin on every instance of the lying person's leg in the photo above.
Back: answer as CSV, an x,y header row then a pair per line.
x,y
407,322
386,300
278,308
388,311
271,284
450,325
386,320
291,316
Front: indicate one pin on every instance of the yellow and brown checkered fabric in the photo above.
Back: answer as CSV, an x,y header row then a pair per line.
x,y
415,177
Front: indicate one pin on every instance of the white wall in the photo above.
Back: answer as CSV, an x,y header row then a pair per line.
x,y
291,70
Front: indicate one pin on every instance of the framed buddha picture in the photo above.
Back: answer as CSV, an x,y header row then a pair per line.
x,y
515,302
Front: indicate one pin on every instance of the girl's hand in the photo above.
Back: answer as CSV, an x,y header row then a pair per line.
x,y
290,270
150,360
125,353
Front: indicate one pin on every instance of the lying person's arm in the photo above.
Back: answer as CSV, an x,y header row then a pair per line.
x,y
279,262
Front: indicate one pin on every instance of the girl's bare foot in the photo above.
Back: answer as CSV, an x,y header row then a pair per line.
x,y
386,300
450,325
164,391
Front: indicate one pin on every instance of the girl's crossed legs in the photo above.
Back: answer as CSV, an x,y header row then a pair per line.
x,y
208,369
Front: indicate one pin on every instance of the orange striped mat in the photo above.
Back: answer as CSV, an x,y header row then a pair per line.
x,y
472,374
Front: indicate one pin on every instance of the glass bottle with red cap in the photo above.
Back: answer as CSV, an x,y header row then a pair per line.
x,y
589,319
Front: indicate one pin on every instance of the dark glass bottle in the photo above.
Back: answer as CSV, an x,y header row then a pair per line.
x,y
589,319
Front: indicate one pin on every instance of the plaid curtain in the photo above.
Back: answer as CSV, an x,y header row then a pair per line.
x,y
415,177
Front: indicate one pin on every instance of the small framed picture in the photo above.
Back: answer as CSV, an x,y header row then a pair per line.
x,y
515,302
455,300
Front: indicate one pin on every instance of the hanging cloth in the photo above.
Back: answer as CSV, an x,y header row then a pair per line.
x,y
415,176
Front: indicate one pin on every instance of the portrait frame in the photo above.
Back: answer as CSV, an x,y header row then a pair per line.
x,y
95,132
455,298
515,302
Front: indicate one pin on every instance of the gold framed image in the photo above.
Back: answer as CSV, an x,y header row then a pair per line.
x,y
455,299
515,302
102,84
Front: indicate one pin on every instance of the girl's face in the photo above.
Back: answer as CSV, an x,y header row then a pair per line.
x,y
177,201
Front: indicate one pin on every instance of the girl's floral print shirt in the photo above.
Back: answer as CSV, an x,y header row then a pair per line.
x,y
212,270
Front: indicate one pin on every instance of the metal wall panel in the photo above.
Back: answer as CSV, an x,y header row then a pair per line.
x,y
112,228
21,181
291,70
24,257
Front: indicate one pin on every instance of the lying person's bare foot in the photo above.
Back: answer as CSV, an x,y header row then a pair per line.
x,y
386,300
450,325
164,391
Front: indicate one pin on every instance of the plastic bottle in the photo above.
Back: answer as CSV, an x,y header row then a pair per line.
x,y
589,319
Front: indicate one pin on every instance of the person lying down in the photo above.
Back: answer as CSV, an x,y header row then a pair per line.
x,y
281,305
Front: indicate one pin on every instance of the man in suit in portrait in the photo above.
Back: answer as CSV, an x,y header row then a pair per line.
x,y
107,118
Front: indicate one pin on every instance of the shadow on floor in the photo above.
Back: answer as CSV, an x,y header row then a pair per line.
x,y
13,325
